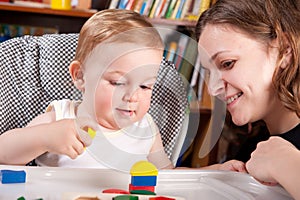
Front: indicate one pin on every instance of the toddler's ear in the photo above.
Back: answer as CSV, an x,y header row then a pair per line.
x,y
77,75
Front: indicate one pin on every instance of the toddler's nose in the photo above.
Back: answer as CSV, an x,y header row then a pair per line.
x,y
131,95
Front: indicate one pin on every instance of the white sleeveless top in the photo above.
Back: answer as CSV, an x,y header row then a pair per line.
x,y
113,149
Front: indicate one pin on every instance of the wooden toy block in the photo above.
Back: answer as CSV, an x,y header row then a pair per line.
x,y
126,197
143,168
149,188
115,191
143,180
161,198
142,192
13,176
91,133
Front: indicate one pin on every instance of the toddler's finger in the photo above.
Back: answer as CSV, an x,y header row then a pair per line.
x,y
86,130
79,148
72,154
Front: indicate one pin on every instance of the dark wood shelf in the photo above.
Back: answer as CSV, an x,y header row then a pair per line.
x,y
46,10
66,21
171,22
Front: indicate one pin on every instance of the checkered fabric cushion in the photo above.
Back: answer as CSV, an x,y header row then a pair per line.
x,y
56,53
168,105
34,72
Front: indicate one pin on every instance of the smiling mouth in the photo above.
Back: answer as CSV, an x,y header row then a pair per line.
x,y
231,99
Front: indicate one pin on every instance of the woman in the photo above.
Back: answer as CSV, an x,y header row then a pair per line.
x,y
251,51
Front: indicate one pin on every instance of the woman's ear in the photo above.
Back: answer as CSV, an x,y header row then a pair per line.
x,y
77,75
287,57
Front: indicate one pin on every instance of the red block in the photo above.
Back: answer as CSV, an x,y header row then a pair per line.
x,y
161,198
115,191
149,188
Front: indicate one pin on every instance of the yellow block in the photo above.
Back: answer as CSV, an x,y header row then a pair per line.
x,y
143,168
92,133
61,4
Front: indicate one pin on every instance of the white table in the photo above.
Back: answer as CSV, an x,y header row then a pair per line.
x,y
67,183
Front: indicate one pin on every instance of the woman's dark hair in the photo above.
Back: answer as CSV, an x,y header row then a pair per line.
x,y
264,21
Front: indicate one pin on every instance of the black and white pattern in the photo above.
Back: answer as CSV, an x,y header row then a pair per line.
x,y
168,105
34,72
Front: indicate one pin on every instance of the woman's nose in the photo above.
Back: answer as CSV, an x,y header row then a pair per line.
x,y
216,85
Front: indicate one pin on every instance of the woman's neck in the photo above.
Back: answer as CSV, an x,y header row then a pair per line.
x,y
281,121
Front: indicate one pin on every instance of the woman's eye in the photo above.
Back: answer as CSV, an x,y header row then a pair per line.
x,y
227,64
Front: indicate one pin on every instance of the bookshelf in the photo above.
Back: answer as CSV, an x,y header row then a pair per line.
x,y
184,12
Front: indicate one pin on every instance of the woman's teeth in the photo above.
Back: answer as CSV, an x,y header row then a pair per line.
x,y
231,99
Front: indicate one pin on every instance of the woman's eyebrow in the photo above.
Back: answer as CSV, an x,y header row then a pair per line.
x,y
214,56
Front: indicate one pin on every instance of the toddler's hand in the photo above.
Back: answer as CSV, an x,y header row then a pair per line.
x,y
68,137
62,138
86,129
233,165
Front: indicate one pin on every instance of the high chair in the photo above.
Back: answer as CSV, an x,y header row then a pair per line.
x,y
34,72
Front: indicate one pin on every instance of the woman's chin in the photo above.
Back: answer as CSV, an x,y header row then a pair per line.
x,y
239,121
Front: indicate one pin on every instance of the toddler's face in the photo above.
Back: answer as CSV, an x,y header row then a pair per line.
x,y
123,92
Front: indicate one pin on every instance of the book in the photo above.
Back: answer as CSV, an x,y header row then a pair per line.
x,y
130,5
188,61
8,31
196,72
143,6
201,81
123,4
164,10
171,51
193,11
148,6
114,4
170,9
204,6
138,5
196,7
180,9
186,8
154,7
159,8
175,10
182,43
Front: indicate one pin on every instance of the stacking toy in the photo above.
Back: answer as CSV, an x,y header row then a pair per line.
x,y
143,177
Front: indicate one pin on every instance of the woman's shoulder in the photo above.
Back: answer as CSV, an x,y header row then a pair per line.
x,y
293,136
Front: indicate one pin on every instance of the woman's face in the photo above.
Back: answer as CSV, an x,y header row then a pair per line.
x,y
241,71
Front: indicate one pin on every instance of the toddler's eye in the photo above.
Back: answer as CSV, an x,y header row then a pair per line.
x,y
227,64
145,87
116,83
